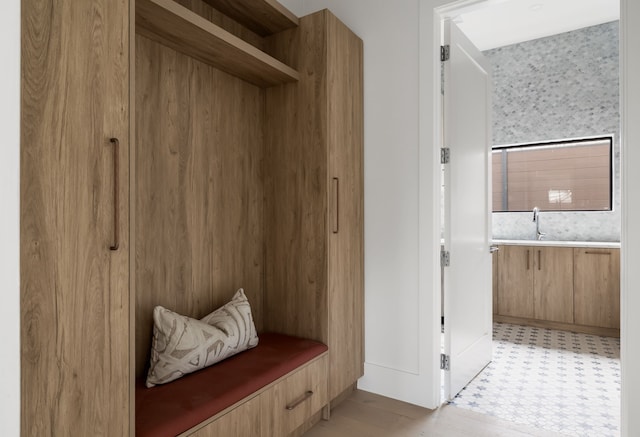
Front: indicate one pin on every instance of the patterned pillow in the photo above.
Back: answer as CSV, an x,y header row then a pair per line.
x,y
183,345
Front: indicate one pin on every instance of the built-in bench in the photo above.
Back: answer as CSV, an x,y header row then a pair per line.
x,y
200,398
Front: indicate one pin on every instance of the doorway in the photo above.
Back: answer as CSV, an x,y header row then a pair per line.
x,y
476,5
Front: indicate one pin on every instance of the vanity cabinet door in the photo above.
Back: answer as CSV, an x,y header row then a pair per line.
x,y
515,281
597,287
553,284
494,266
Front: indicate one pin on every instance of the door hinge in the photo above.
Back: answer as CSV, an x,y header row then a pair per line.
x,y
444,258
445,155
444,362
444,53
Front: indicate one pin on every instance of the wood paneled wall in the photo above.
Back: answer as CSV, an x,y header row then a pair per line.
x,y
296,186
199,215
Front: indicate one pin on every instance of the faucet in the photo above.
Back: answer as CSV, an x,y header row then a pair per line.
x,y
536,220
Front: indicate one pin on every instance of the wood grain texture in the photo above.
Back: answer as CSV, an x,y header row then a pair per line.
x,y
296,188
515,281
345,128
132,219
315,284
597,287
207,12
265,17
243,421
276,419
74,290
199,215
553,284
175,26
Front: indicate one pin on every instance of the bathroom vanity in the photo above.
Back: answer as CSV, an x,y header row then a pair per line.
x,y
558,284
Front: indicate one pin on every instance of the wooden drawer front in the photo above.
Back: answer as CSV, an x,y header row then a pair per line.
x,y
288,404
243,421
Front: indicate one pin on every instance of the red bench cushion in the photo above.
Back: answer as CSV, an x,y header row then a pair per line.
x,y
170,409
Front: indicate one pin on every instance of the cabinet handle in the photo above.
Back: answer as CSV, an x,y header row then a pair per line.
x,y
302,398
588,252
116,194
335,185
539,259
528,259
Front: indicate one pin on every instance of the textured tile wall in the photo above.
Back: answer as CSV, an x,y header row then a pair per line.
x,y
563,86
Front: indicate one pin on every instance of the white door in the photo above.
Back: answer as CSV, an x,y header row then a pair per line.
x,y
467,226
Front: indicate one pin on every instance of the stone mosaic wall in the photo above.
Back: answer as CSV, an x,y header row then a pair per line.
x,y
563,86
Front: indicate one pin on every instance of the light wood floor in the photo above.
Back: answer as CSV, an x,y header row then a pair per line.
x,y
367,415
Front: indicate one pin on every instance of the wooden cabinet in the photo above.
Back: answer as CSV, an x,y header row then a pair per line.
x,y
315,194
494,267
346,205
75,372
246,171
597,287
536,283
553,284
562,287
515,281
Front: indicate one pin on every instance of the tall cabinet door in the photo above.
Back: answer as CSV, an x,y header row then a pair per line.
x,y
74,211
346,210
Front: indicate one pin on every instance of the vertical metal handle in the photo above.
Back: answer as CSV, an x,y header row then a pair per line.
x,y
116,194
539,259
528,259
336,203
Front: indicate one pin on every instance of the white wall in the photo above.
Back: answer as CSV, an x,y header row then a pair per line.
x,y
9,218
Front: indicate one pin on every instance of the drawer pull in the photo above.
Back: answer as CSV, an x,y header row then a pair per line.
x,y
336,205
303,398
116,192
588,252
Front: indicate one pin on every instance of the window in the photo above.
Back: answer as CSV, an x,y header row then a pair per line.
x,y
570,175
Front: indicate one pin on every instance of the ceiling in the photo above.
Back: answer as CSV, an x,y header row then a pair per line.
x,y
497,23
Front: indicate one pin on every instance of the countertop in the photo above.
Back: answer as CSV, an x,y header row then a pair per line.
x,y
594,244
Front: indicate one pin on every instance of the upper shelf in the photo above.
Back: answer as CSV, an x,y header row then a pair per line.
x,y
264,17
175,26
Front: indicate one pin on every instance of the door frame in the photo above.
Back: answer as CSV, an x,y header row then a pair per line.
x,y
432,14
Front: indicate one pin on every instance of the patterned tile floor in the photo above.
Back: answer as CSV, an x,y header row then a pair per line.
x,y
553,380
